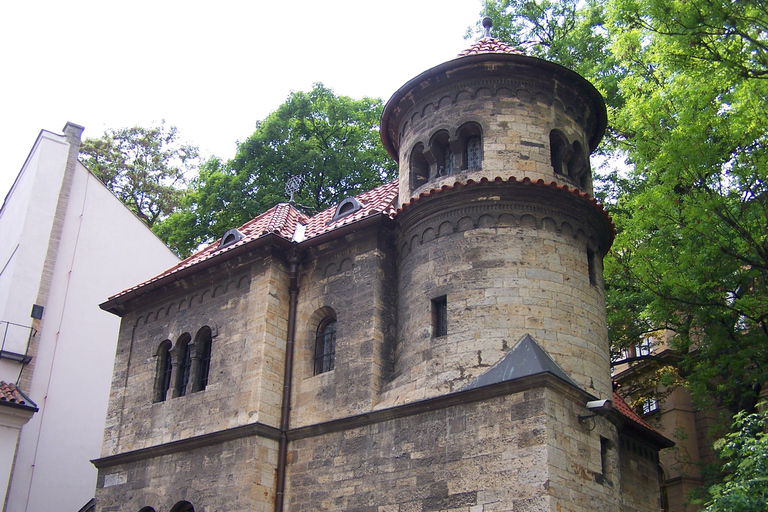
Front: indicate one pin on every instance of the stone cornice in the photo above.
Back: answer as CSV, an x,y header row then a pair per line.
x,y
191,443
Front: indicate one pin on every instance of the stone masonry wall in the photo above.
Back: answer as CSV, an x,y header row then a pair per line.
x,y
354,279
516,116
525,451
245,305
506,269
234,476
640,476
482,456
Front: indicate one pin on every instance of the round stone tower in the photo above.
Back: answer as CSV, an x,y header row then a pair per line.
x,y
499,235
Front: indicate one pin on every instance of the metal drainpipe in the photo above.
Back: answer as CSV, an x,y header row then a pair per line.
x,y
282,454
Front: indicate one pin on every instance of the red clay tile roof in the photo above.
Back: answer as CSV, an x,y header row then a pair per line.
x,y
637,422
10,394
620,405
283,220
378,200
490,45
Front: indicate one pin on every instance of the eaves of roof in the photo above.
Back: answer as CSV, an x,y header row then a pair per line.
x,y
11,396
633,422
525,182
276,227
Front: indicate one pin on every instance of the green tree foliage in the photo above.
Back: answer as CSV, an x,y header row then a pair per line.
x,y
745,452
330,142
685,82
145,168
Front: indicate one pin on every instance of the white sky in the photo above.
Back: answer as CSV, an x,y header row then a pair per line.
x,y
210,68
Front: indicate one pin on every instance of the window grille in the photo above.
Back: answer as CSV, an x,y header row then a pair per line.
x,y
325,347
186,365
474,153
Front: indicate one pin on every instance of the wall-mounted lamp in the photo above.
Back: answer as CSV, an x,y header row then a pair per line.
x,y
597,407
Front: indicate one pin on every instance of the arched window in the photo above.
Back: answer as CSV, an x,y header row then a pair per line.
x,y
442,154
470,138
419,167
325,346
203,342
147,509
163,371
474,153
578,165
559,151
185,364
183,506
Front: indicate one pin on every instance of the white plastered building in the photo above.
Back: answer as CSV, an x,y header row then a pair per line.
x,y
67,242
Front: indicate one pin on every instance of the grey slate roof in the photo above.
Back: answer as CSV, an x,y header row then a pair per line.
x,y
525,359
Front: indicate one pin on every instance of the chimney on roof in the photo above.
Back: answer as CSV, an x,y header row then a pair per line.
x,y
73,132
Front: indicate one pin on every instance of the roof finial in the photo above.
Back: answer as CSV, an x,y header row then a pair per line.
x,y
293,184
487,24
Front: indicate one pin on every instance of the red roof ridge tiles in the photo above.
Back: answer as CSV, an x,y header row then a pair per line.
x,y
490,45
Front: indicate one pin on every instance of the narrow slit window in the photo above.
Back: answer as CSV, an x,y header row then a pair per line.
x,y
439,316
164,369
184,369
605,460
591,266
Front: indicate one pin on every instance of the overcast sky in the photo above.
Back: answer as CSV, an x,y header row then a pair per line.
x,y
210,68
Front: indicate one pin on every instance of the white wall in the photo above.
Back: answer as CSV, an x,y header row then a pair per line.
x,y
25,225
104,249
11,421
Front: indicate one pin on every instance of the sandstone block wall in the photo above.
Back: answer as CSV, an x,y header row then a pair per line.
x,y
516,114
234,476
354,280
523,451
482,456
245,305
507,268
640,476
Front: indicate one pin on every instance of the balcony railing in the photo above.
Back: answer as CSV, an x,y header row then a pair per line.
x,y
16,336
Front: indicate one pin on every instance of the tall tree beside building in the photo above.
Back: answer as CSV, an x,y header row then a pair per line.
x,y
331,143
685,83
146,168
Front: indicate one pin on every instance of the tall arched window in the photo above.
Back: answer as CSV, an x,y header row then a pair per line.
x,y
163,371
185,364
419,166
559,152
183,506
470,138
442,154
474,153
325,346
203,342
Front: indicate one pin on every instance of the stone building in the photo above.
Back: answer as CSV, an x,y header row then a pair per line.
x,y
429,345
